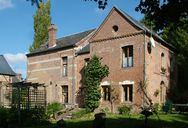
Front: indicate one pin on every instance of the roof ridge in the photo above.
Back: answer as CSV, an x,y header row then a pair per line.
x,y
76,33
142,26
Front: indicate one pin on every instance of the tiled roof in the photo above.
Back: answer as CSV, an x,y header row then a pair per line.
x,y
84,50
5,69
64,42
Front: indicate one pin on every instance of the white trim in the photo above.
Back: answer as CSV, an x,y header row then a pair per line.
x,y
44,69
105,83
44,61
126,82
31,79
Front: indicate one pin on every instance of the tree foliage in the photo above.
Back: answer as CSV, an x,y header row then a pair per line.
x,y
42,21
163,12
101,3
37,2
94,73
170,17
178,36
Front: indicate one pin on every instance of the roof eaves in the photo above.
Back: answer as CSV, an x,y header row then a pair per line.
x,y
84,50
49,50
5,68
124,14
144,28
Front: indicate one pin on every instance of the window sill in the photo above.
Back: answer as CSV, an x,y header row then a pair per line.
x,y
127,102
126,68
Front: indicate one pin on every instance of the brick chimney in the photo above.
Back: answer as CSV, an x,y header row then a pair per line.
x,y
52,35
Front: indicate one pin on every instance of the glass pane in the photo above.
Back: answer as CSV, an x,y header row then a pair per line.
x,y
125,64
64,70
130,51
64,59
130,93
130,61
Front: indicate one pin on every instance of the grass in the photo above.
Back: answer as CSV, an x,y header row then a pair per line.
x,y
133,121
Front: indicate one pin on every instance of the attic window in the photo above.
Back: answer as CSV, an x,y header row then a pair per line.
x,y
115,28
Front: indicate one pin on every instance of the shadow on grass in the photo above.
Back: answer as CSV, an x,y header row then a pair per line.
x,y
132,123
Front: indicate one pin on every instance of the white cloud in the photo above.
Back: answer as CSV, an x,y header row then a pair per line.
x,y
6,4
17,62
15,58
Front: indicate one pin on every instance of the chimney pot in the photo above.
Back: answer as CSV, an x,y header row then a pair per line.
x,y
52,35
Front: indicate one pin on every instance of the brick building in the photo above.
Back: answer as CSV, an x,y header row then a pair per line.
x,y
131,51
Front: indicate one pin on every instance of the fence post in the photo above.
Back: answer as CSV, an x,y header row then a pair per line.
x,y
19,108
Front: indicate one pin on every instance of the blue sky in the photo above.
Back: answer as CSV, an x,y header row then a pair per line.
x,y
70,16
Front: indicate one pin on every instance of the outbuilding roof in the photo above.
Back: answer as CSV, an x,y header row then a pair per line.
x,y
62,43
5,68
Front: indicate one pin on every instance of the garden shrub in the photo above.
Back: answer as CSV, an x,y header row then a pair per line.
x,y
157,107
124,110
167,107
54,108
33,116
3,117
9,117
104,110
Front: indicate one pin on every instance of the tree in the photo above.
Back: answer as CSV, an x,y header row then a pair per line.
x,y
37,2
178,36
163,12
93,75
42,21
113,97
101,3
171,17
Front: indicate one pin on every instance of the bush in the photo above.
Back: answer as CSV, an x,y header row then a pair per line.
x,y
9,117
167,107
104,110
124,110
3,117
53,108
157,107
33,116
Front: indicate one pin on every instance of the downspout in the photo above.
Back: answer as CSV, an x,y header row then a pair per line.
x,y
144,77
73,79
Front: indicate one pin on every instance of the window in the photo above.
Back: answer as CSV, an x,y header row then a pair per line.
x,y
162,60
65,67
65,94
106,93
163,69
128,93
162,92
127,56
86,61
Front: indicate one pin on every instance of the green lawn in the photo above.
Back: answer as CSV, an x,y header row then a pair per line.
x,y
134,121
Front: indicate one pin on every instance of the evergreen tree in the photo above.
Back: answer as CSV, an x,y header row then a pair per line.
x,y
94,73
42,21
